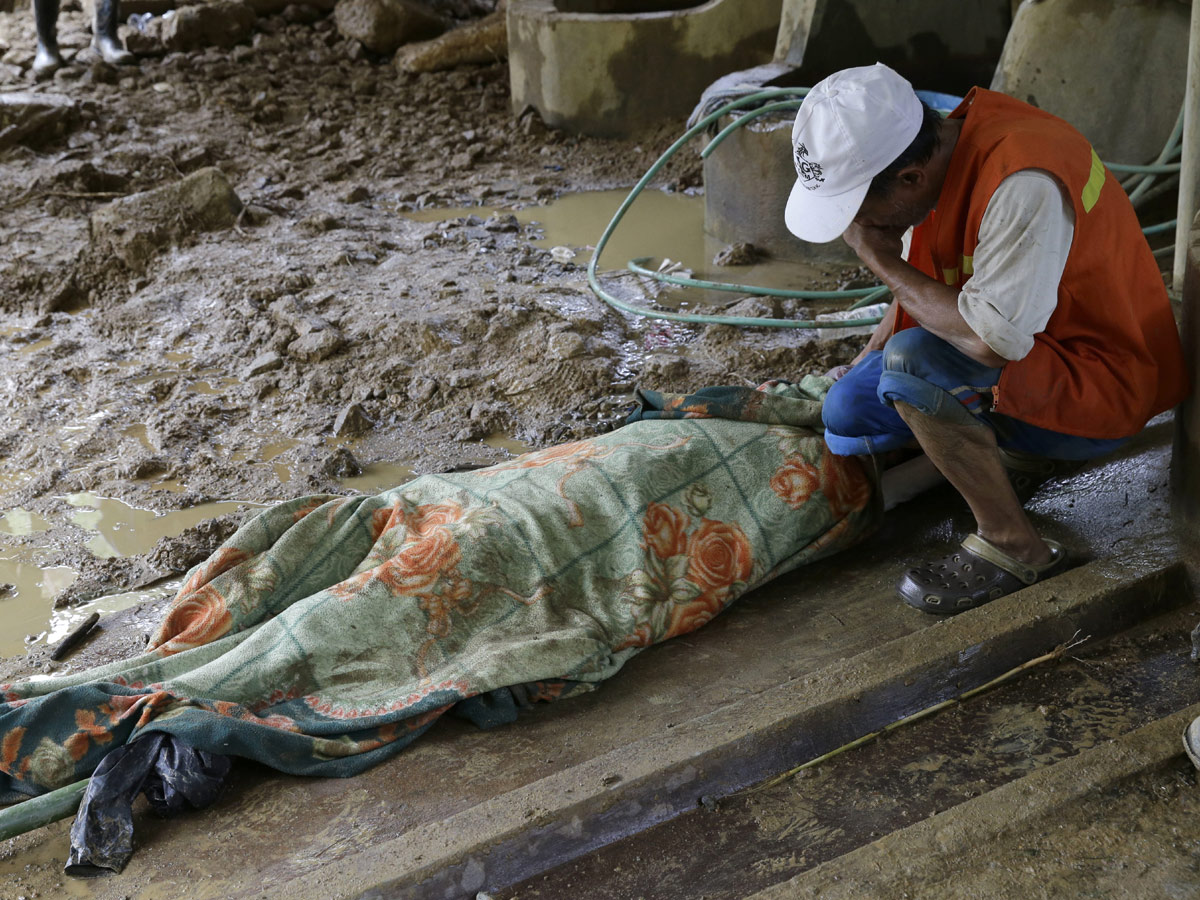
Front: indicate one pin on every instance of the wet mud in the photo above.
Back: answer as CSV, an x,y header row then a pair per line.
x,y
317,321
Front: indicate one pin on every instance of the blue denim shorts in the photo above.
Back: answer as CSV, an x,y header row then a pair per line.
x,y
924,371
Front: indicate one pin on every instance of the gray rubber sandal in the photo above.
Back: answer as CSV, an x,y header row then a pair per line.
x,y
973,575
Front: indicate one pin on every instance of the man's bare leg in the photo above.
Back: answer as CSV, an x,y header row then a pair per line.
x,y
967,455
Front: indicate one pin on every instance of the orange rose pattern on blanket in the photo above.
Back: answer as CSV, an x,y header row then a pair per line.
x,y
201,618
330,632
693,569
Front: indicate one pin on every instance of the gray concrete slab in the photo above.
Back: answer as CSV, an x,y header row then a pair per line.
x,y
948,855
1096,692
443,806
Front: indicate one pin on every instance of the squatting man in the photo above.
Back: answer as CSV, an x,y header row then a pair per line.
x,y
1030,321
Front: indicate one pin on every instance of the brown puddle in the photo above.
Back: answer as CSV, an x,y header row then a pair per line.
x,y
118,530
47,855
123,530
659,225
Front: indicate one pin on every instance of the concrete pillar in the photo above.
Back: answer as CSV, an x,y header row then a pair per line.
x,y
1189,174
1115,69
1185,461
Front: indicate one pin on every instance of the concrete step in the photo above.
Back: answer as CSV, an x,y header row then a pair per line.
x,y
525,832
1116,821
1100,691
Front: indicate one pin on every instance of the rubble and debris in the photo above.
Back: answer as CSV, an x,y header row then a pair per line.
x,y
35,119
134,228
383,25
222,23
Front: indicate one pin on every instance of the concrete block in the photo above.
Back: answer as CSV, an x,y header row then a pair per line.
x,y
613,68
940,45
1115,69
746,186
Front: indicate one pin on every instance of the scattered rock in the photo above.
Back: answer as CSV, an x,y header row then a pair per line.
x,y
502,223
134,228
144,467
103,73
352,420
384,25
193,158
224,23
482,41
318,223
147,38
316,345
421,389
300,14
271,7
756,307
35,119
666,369
257,215
264,362
739,254
85,177
341,463
180,553
566,345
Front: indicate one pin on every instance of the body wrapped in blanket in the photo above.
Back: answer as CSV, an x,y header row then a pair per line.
x,y
329,632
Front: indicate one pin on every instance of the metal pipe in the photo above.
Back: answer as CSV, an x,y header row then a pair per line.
x,y
1189,175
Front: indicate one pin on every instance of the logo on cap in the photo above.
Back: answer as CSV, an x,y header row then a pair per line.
x,y
810,172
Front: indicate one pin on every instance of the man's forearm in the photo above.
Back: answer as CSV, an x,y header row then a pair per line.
x,y
934,306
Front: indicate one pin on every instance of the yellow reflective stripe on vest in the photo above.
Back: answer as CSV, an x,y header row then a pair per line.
x,y
968,265
950,276
1091,190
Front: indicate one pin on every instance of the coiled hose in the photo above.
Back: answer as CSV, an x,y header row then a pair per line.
x,y
1140,186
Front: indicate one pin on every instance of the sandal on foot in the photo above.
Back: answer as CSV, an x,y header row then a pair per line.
x,y
972,575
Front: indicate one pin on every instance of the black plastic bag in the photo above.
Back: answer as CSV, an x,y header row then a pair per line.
x,y
174,777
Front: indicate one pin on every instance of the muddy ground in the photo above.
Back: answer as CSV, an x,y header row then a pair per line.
x,y
321,330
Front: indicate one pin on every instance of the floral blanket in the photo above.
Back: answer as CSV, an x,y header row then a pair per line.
x,y
329,632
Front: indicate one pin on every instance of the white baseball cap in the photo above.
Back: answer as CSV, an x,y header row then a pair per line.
x,y
850,127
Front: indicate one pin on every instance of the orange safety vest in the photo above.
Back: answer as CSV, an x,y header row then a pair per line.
x,y
1110,356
